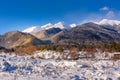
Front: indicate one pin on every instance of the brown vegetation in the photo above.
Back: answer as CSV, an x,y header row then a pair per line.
x,y
116,56
89,49
25,50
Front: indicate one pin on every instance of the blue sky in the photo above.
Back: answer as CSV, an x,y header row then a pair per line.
x,y
21,14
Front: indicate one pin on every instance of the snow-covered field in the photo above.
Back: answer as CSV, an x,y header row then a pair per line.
x,y
14,67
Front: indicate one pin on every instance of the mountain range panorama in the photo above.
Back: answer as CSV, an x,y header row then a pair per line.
x,y
91,33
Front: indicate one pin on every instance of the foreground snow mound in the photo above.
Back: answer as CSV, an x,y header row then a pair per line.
x,y
14,67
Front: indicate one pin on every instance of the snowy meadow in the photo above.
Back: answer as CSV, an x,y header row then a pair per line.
x,y
13,67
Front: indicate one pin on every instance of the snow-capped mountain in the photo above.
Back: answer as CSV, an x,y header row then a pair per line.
x,y
44,27
31,29
108,30
57,25
73,25
109,22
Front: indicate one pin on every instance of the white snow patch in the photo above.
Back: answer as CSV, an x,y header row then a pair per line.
x,y
29,30
73,25
26,68
44,27
109,22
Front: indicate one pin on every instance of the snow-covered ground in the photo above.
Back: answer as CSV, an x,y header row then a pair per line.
x,y
14,67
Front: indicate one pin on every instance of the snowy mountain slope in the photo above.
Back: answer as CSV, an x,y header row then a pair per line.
x,y
35,29
73,25
89,33
29,30
47,34
109,22
61,25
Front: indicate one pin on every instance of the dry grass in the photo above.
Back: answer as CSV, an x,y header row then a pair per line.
x,y
29,50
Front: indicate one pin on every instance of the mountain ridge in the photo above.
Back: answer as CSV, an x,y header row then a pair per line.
x,y
34,29
87,33
16,38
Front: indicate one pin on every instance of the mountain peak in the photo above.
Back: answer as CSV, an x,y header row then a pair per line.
x,y
109,22
29,30
73,25
59,25
44,27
